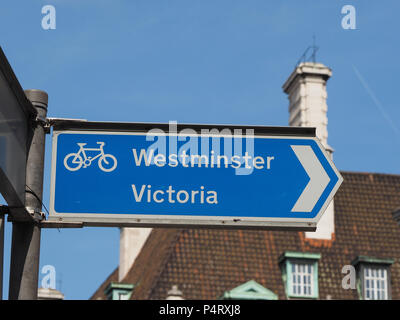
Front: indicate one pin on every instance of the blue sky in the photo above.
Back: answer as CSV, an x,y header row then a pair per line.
x,y
200,62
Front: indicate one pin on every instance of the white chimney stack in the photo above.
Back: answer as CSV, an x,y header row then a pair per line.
x,y
306,90
130,243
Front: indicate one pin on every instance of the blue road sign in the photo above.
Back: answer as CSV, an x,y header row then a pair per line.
x,y
161,179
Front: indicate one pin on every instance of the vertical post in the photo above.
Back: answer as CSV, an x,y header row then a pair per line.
x,y
25,243
2,216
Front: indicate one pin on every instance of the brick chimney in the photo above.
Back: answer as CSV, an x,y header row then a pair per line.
x,y
306,90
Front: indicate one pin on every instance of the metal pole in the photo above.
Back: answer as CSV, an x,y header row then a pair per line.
x,y
25,243
2,216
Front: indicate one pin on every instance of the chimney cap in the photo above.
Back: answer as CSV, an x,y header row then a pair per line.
x,y
305,69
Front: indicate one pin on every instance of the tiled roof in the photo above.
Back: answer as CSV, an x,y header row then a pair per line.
x,y
204,263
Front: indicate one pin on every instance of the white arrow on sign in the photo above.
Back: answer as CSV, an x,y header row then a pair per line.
x,y
319,179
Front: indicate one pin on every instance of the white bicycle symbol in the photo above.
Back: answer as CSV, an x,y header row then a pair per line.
x,y
107,162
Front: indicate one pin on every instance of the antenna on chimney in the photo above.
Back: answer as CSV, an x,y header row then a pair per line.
x,y
304,58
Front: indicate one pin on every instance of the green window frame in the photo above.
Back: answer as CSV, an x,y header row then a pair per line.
x,y
251,290
300,274
365,264
119,291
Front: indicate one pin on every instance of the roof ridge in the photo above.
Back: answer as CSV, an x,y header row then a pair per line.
x,y
369,173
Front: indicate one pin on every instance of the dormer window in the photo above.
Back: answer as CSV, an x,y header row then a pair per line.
x,y
250,290
302,277
373,277
375,283
118,291
300,274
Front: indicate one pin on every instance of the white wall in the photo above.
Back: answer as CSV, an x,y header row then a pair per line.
x,y
130,244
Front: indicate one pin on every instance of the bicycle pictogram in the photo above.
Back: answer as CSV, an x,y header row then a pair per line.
x,y
75,161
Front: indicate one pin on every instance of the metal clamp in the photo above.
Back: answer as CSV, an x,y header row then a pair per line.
x,y
36,214
44,122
